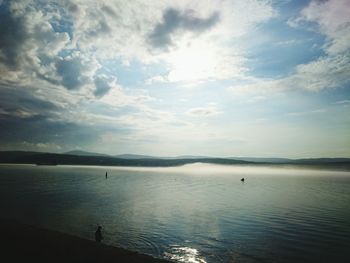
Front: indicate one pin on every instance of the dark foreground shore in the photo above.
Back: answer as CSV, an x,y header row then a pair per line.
x,y
24,243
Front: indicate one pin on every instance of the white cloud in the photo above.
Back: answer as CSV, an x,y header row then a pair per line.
x,y
119,30
324,73
207,111
38,59
255,89
343,102
118,97
30,51
157,79
55,53
302,113
213,53
40,146
333,20
290,42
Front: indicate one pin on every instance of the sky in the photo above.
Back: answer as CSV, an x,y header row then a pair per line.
x,y
211,77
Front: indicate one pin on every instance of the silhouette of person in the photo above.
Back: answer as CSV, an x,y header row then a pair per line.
x,y
242,180
98,234
106,175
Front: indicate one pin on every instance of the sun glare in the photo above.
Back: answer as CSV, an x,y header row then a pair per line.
x,y
192,62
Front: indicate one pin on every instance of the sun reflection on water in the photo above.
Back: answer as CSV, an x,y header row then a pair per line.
x,y
184,254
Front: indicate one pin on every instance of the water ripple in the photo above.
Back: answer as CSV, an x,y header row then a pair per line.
x,y
183,215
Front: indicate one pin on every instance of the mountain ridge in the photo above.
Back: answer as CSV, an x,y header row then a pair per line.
x,y
84,153
40,158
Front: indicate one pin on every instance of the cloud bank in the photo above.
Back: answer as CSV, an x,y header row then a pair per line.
x,y
146,77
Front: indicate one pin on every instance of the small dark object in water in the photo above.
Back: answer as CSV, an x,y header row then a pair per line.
x,y
98,234
242,180
106,175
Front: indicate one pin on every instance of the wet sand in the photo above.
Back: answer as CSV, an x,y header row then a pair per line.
x,y
25,243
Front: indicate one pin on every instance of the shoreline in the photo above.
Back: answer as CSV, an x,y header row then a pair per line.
x,y
23,243
53,159
317,167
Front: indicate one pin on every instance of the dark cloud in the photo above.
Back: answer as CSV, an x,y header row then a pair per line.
x,y
29,45
39,128
174,20
31,123
33,132
34,46
20,101
103,85
70,69
109,11
12,37
26,118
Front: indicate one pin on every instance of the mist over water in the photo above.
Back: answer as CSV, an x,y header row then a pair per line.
x,y
193,213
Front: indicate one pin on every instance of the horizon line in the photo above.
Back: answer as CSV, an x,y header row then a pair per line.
x,y
175,156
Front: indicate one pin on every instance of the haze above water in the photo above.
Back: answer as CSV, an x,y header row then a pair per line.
x,y
194,213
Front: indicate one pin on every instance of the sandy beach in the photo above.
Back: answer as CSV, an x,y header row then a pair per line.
x,y
25,243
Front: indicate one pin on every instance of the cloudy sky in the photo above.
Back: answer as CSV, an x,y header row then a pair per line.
x,y
208,77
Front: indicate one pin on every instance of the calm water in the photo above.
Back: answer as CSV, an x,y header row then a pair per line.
x,y
196,213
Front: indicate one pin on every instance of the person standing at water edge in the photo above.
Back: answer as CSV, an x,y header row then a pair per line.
x,y
98,234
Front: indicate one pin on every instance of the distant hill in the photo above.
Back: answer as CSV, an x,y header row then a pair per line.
x,y
263,160
87,158
320,160
70,159
135,156
84,153
140,156
190,157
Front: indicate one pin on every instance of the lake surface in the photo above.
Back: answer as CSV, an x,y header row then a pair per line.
x,y
195,213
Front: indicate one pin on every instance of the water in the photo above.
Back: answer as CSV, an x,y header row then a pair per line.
x,y
195,213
